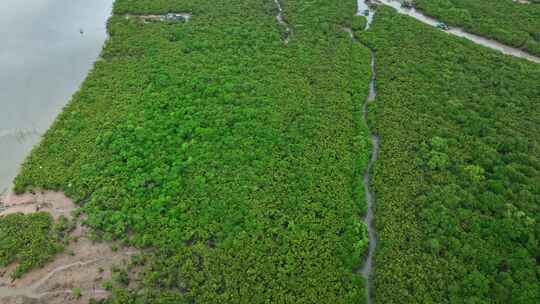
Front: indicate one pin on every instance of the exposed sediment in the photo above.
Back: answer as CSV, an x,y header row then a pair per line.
x,y
55,203
170,17
84,265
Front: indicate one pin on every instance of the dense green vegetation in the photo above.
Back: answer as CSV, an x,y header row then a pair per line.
x,y
235,159
30,240
457,180
508,21
358,23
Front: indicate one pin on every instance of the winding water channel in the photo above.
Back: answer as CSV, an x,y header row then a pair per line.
x,y
456,31
367,268
365,9
48,47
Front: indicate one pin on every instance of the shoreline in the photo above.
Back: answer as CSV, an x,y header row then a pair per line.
x,y
39,84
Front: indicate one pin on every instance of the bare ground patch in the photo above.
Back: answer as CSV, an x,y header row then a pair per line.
x,y
74,276
170,17
55,203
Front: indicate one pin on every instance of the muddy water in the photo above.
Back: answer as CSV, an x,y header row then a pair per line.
x,y
48,46
492,44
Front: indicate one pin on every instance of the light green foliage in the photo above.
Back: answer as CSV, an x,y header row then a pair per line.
x,y
458,201
438,157
76,293
234,159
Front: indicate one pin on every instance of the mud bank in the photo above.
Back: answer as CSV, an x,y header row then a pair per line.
x,y
55,203
83,266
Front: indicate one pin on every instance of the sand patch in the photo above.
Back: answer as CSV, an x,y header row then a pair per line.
x,y
55,203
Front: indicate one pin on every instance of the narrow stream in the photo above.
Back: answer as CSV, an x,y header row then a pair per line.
x,y
367,268
48,47
456,31
282,22
69,35
364,9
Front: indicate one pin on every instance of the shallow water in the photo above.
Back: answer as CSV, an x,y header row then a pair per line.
x,y
367,268
363,9
43,59
282,22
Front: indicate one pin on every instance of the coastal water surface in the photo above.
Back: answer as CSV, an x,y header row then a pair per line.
x,y
47,48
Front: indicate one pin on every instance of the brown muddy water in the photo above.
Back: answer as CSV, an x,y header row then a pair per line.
x,y
48,47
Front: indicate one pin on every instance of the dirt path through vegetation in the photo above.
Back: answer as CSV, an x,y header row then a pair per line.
x,y
74,276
